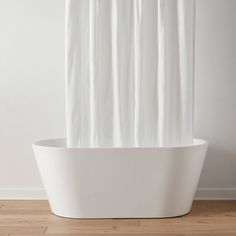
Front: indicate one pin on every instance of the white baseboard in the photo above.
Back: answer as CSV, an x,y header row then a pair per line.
x,y
22,194
39,194
215,194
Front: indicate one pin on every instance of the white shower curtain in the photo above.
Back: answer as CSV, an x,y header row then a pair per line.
x,y
129,72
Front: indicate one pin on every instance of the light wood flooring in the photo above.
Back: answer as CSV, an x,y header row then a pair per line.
x,y
18,218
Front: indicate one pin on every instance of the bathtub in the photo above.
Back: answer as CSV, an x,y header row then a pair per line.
x,y
140,182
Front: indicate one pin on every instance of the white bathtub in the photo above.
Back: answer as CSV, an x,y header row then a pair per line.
x,y
119,182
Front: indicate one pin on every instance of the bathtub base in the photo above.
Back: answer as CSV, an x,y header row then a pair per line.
x,y
119,182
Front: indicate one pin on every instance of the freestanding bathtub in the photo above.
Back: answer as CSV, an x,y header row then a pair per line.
x,y
119,182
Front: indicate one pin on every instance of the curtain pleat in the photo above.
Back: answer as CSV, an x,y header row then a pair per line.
x,y
129,73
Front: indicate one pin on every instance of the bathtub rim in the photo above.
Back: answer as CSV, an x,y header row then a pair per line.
x,y
60,144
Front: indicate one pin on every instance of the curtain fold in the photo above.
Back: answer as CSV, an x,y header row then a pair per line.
x,y
129,72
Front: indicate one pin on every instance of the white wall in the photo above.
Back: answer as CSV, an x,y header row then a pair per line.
x,y
31,86
32,91
215,96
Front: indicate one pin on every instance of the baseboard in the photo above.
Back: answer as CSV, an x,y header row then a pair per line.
x,y
22,194
39,194
215,194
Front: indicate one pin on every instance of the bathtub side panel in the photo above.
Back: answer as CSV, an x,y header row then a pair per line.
x,y
120,183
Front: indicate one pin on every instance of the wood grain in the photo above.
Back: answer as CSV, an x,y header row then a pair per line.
x,y
18,218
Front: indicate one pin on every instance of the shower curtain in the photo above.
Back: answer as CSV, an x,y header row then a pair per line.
x,y
129,72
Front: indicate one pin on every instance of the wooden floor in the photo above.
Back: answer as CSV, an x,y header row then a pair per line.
x,y
20,218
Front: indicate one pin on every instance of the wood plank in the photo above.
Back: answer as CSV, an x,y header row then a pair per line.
x,y
134,234
200,229
67,222
22,230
